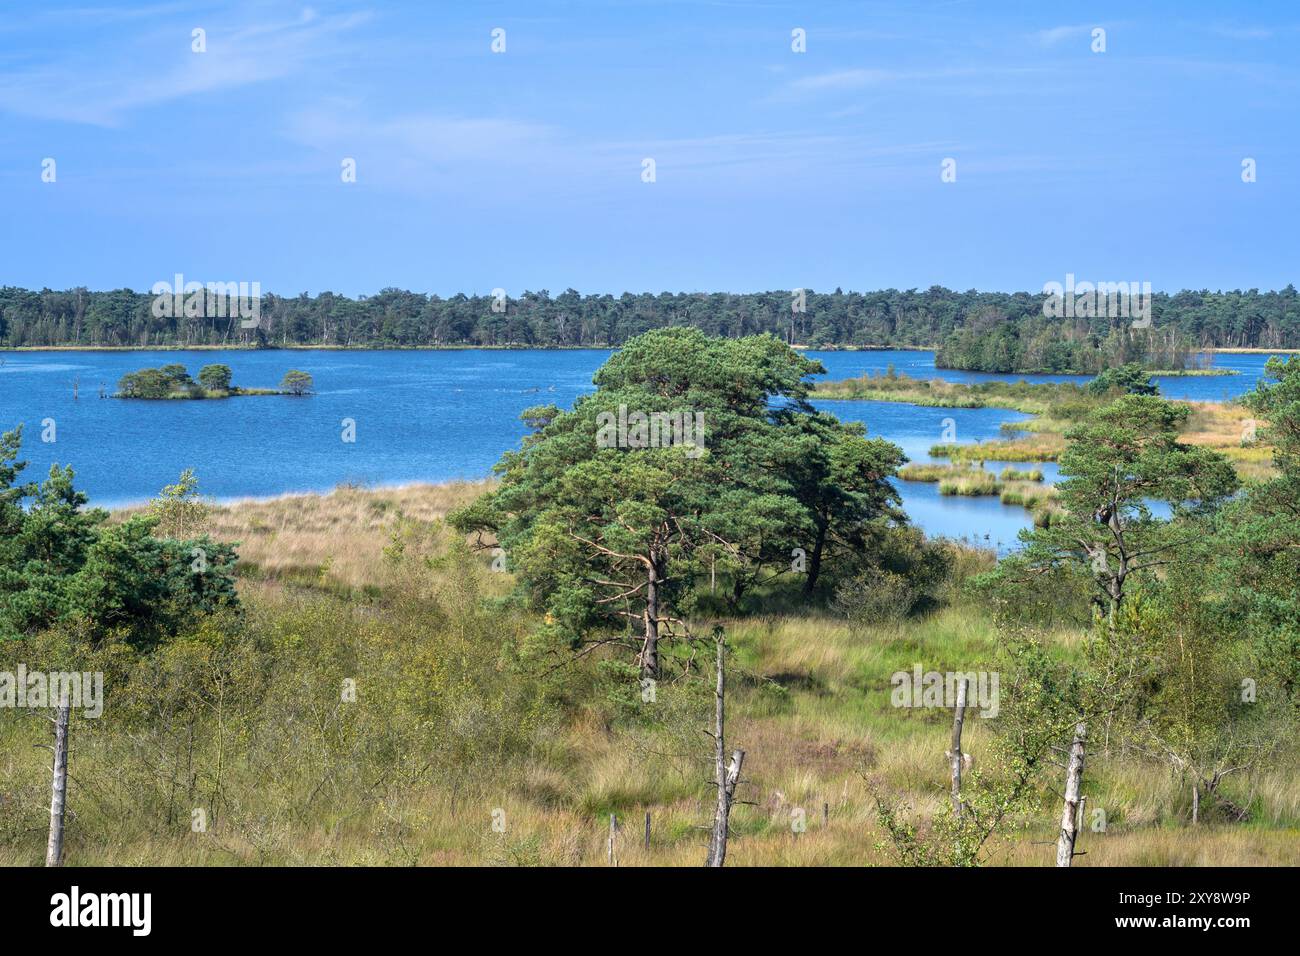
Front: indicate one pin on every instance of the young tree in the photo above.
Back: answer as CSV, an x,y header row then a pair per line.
x,y
179,510
61,563
177,376
297,383
1260,560
1130,378
842,478
215,378
1117,462
146,383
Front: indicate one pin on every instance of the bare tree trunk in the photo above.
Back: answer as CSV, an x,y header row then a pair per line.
x,y
815,562
954,754
1069,812
726,776
59,789
650,651
1196,800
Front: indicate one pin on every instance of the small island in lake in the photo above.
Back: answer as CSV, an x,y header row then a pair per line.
x,y
214,381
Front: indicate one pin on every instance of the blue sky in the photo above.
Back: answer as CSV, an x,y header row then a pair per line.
x,y
523,169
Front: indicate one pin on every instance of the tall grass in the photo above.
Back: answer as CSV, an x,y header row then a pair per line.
x,y
469,742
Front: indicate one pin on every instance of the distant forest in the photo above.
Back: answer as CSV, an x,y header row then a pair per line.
x,y
991,331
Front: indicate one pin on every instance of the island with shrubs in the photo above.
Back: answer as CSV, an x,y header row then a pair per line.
x,y
214,381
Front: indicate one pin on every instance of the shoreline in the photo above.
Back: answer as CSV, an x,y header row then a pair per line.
x,y
522,347
236,501
310,348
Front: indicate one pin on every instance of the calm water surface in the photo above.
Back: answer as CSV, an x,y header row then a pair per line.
x,y
424,416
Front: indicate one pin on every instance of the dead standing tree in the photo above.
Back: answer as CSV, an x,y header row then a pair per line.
x,y
954,754
59,787
1070,808
726,777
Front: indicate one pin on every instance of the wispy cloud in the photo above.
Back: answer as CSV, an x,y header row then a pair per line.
x,y
1242,32
161,68
842,80
1054,35
426,154
848,80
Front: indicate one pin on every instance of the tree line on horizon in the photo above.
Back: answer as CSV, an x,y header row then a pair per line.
x,y
987,331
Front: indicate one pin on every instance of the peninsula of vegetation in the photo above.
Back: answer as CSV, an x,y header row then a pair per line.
x,y
214,381
1057,408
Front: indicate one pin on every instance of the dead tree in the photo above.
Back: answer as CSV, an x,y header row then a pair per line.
x,y
1070,810
954,755
726,777
59,788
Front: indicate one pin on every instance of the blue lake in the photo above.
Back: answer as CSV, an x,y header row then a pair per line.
x,y
423,416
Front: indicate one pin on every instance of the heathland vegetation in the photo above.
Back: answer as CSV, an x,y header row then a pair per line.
x,y
989,331
484,673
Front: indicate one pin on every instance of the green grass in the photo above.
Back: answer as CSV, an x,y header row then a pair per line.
x,y
922,471
1193,372
889,386
1045,447
1030,496
974,482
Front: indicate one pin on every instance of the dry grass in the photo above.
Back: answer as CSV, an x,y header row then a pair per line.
x,y
809,703
1229,429
337,538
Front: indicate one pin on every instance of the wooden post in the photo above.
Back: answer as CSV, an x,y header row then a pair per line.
x,y
647,829
59,789
954,752
727,776
613,831
1073,777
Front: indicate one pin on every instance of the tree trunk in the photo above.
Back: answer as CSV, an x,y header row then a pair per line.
x,y
726,776
1196,801
954,754
815,561
1069,812
59,789
650,651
